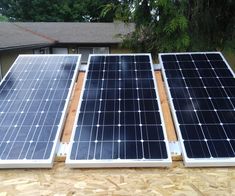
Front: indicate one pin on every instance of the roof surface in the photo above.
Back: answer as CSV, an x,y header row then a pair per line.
x,y
33,33
12,36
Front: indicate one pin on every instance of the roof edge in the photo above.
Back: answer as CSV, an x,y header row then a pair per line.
x,y
25,47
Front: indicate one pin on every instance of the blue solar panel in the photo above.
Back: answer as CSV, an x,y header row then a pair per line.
x,y
33,99
201,90
119,120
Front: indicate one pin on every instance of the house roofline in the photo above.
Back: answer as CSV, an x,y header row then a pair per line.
x,y
32,46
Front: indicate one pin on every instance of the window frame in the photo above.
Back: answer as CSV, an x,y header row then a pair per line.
x,y
46,50
52,52
93,51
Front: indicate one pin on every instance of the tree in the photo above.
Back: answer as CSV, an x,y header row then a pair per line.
x,y
3,18
55,10
160,25
212,23
121,10
178,25
32,10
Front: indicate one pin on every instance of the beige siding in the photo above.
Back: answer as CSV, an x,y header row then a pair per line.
x,y
230,57
8,58
119,50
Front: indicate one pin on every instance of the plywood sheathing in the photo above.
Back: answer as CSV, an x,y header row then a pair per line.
x,y
176,180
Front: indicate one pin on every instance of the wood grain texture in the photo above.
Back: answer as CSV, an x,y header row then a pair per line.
x,y
170,129
72,108
176,181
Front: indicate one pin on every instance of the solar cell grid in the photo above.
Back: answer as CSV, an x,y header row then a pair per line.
x,y
119,120
201,89
33,99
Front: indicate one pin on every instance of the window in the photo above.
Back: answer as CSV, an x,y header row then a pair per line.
x,y
85,51
59,51
42,51
102,50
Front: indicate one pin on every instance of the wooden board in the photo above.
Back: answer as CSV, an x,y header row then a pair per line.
x,y
72,108
170,129
177,180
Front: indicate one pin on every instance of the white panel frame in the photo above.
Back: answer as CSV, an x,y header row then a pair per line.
x,y
118,162
1,71
194,162
41,163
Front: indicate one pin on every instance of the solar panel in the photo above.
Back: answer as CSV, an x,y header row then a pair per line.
x,y
201,87
34,96
119,122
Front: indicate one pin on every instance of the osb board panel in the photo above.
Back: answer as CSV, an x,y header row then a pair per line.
x,y
176,180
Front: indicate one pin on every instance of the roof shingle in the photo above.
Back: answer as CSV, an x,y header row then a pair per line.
x,y
32,33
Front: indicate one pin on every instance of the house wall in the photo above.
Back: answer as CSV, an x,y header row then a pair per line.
x,y
115,49
230,57
8,58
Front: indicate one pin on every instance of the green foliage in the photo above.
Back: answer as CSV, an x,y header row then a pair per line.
x,y
3,18
55,10
141,14
121,11
181,25
165,33
212,23
161,25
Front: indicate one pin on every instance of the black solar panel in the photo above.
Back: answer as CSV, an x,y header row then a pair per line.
x,y
119,121
201,87
33,100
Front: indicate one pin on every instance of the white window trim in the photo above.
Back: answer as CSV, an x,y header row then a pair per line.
x,y
93,51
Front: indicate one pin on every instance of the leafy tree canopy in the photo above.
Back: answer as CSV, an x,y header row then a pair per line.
x,y
178,25
161,25
55,10
3,18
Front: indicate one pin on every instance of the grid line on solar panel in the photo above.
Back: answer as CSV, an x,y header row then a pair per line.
x,y
200,89
118,109
31,120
